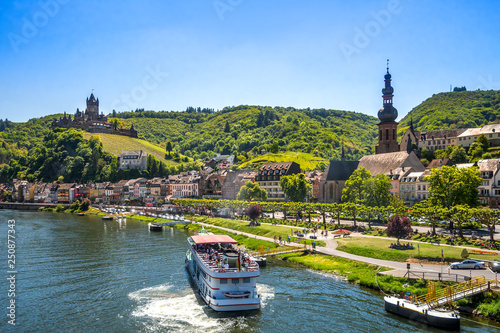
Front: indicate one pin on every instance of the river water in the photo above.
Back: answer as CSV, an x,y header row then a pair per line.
x,y
83,274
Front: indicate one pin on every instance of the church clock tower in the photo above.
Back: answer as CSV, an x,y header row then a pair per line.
x,y
387,128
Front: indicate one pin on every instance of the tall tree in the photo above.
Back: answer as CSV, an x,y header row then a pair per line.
x,y
449,186
378,190
355,189
227,129
487,217
296,186
168,148
251,192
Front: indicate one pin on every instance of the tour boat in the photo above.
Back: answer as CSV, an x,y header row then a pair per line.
x,y
441,318
223,275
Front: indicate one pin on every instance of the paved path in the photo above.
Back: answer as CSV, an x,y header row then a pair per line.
x,y
398,267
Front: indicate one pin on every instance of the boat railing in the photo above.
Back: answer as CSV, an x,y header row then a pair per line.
x,y
211,264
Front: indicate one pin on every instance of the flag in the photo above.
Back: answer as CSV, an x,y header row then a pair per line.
x,y
442,255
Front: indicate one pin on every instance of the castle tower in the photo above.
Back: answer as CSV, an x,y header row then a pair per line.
x,y
387,128
92,107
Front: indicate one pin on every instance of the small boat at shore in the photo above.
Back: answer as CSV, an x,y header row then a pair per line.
x,y
155,227
442,318
262,261
107,217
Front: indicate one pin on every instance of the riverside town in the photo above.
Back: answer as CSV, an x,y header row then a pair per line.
x,y
317,187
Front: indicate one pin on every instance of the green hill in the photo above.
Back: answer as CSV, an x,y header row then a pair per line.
x,y
244,128
307,161
115,144
449,110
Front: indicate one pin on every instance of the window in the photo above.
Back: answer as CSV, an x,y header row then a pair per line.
x,y
235,281
486,182
223,281
246,280
331,191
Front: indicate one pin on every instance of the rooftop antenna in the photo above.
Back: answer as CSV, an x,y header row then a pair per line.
x,y
387,65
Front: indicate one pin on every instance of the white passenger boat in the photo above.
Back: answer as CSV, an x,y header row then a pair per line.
x,y
224,276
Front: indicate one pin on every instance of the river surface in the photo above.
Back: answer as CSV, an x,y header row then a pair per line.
x,y
83,274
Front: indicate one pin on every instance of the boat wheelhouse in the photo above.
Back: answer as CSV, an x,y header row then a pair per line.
x,y
224,276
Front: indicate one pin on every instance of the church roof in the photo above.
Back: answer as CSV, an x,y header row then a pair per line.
x,y
384,163
339,170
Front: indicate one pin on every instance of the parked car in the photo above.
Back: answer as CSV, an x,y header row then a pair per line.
x,y
495,266
468,264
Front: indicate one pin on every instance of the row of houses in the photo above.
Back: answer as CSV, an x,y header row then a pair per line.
x,y
218,184
406,173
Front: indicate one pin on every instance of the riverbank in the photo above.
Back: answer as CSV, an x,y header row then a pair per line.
x,y
354,271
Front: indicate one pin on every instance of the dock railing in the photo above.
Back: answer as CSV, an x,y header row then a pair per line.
x,y
435,298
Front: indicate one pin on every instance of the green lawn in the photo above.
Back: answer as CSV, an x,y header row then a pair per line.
x,y
306,161
379,249
424,237
362,273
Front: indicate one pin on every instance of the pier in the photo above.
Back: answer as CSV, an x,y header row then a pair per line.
x,y
453,293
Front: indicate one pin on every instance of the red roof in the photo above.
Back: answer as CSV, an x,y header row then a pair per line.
x,y
211,239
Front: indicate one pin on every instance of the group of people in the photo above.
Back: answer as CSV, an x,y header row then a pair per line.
x,y
281,240
401,246
216,259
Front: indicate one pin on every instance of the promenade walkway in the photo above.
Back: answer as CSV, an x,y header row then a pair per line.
x,y
399,268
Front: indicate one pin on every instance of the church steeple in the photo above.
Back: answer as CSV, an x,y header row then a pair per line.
x,y
387,113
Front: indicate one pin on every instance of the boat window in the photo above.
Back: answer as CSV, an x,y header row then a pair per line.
x,y
235,280
246,280
223,281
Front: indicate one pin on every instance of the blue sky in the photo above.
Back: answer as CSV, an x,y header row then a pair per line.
x,y
167,55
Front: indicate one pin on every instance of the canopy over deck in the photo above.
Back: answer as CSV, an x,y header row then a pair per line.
x,y
212,239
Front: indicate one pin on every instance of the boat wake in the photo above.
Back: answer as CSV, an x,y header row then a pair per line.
x,y
160,308
266,293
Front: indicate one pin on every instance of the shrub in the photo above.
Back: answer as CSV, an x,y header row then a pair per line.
x,y
84,206
253,211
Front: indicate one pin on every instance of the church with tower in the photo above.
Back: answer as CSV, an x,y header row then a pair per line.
x,y
91,120
389,159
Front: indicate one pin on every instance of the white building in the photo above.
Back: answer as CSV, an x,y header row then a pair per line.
x,y
135,159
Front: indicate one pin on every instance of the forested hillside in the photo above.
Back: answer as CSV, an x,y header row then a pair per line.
x,y
458,109
254,128
29,150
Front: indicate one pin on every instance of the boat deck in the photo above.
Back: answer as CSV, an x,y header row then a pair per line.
x,y
215,261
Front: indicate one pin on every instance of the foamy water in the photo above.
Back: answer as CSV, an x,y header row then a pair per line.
x,y
180,310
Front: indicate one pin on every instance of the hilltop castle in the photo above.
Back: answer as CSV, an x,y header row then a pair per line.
x,y
91,120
